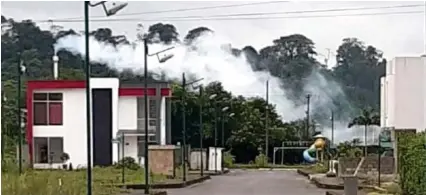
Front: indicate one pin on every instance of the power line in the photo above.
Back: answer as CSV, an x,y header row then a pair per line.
x,y
184,9
241,18
298,12
274,13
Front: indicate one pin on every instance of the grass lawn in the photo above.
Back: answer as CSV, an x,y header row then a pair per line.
x,y
60,182
316,168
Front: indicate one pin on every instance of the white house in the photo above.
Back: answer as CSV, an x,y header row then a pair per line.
x,y
403,94
56,120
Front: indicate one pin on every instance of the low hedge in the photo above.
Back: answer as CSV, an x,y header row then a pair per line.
x,y
412,163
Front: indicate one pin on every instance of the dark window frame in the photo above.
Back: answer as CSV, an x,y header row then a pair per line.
x,y
47,98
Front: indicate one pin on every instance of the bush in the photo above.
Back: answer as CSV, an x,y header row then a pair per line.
x,y
261,160
228,159
128,163
412,163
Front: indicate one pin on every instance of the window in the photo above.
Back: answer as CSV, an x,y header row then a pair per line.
x,y
47,108
152,108
48,150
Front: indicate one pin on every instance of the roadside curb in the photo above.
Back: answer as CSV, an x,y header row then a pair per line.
x,y
226,171
303,173
167,185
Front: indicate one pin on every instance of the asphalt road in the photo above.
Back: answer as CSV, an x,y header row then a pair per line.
x,y
240,182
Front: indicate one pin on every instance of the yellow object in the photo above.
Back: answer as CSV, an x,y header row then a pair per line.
x,y
319,143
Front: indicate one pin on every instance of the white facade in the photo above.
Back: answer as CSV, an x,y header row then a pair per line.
x,y
73,128
403,94
127,120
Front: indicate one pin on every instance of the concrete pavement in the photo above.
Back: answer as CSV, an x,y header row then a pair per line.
x,y
253,182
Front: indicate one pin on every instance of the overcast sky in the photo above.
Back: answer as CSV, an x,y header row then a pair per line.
x,y
395,35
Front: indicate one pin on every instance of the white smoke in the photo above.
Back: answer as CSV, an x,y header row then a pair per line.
x,y
206,58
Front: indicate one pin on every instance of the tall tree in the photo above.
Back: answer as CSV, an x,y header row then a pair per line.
x,y
194,33
359,69
162,33
368,117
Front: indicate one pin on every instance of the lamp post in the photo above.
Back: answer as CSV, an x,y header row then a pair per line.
x,y
267,121
224,109
123,180
3,102
212,97
184,85
108,12
332,128
200,99
21,70
308,99
146,118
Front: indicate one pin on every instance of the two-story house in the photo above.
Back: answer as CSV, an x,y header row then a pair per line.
x,y
56,120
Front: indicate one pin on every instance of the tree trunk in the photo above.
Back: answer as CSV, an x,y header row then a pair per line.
x,y
365,141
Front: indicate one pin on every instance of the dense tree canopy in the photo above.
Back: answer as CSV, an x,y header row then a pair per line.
x,y
290,58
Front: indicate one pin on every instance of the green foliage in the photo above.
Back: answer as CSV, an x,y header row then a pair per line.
x,y
228,159
368,117
349,149
412,163
261,160
128,163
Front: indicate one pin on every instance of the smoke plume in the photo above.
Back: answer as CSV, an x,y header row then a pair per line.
x,y
207,58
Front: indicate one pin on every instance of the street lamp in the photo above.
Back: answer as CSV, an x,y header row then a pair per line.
x,y
213,97
224,109
3,102
184,85
108,12
200,99
21,69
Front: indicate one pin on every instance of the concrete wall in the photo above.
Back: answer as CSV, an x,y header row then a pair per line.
x,y
161,159
128,116
127,113
195,160
403,91
347,166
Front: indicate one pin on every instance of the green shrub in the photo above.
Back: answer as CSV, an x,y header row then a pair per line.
x,y
228,159
128,163
261,160
412,163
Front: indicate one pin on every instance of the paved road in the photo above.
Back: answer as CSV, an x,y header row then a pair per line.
x,y
239,182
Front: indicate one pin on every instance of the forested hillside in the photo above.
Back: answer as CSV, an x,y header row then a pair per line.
x,y
289,57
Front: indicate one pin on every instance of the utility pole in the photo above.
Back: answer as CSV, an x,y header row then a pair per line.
x,y
332,128
184,126
223,140
308,99
88,105
145,95
19,68
267,120
215,136
201,129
